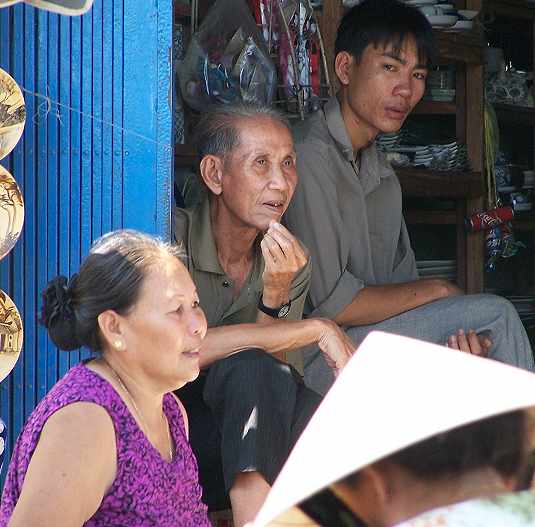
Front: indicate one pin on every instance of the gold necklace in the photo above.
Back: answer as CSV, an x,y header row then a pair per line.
x,y
138,411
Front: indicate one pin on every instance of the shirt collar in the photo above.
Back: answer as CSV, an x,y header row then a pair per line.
x,y
369,157
337,128
203,248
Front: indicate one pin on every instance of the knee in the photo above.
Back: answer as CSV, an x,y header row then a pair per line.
x,y
498,304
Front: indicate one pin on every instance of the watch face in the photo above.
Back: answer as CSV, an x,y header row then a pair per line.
x,y
284,310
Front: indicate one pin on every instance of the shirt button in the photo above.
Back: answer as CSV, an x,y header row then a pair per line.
x,y
226,283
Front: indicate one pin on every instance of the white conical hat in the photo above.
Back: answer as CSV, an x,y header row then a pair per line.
x,y
64,7
394,392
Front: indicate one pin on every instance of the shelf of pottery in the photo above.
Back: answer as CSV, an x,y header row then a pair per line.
x,y
12,120
509,89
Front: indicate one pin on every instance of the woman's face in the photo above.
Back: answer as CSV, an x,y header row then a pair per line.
x,y
164,330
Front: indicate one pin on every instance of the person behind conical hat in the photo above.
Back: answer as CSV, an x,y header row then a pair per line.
x,y
64,7
412,435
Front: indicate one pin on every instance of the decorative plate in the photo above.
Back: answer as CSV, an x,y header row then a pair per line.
x,y
11,212
12,113
11,335
64,7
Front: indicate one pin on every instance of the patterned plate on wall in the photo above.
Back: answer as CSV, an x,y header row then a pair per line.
x,y
11,212
12,113
64,7
11,335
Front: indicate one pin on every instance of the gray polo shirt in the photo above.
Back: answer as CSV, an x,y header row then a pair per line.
x,y
193,228
348,216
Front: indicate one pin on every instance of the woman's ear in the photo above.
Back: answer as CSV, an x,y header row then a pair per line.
x,y
342,66
110,326
211,169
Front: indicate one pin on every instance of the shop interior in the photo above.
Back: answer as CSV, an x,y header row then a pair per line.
x,y
468,148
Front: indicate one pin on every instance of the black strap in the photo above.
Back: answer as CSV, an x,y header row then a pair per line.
x,y
328,510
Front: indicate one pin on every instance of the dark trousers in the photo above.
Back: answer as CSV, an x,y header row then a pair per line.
x,y
245,414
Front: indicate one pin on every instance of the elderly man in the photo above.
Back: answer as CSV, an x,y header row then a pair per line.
x,y
252,277
347,208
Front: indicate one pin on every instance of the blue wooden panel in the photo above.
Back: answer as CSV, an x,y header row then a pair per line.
x,y
96,155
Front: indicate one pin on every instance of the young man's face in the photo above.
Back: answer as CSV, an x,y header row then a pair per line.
x,y
381,90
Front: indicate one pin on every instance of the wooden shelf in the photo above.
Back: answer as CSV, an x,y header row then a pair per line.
x,y
460,46
510,113
512,8
423,183
435,108
524,221
430,217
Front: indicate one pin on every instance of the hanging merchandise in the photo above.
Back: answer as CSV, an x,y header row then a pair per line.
x,y
293,37
227,60
300,55
500,240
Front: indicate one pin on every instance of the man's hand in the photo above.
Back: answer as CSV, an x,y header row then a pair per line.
x,y
474,343
284,257
336,346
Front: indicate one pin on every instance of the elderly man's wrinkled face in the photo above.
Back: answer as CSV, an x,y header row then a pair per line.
x,y
260,176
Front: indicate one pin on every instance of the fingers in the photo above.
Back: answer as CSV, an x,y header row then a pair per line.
x,y
288,244
337,348
468,343
271,251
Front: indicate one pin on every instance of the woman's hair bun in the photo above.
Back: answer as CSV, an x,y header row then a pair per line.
x,y
58,315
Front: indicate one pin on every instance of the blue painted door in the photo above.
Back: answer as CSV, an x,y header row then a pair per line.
x,y
95,155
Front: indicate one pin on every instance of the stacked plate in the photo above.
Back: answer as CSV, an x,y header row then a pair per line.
x,y
449,156
440,94
388,141
445,269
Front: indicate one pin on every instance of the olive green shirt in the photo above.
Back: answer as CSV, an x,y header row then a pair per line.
x,y
193,228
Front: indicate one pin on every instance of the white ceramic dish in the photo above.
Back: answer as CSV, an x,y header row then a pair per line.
x,y
465,25
418,3
442,20
467,14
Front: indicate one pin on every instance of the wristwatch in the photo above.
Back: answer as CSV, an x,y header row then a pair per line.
x,y
275,312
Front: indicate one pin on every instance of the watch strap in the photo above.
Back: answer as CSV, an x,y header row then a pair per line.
x,y
275,312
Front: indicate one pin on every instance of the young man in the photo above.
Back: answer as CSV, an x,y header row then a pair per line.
x,y
252,277
347,207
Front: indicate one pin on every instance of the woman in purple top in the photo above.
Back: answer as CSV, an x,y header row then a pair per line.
x,y
108,445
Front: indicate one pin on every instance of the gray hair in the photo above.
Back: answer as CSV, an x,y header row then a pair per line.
x,y
217,132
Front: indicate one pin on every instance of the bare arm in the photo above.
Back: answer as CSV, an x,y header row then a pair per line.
x,y
375,303
276,337
71,469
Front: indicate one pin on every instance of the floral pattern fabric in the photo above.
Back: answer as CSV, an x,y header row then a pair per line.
x,y
508,510
148,490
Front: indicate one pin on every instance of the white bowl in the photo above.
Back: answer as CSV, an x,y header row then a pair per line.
x,y
441,20
467,14
463,24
